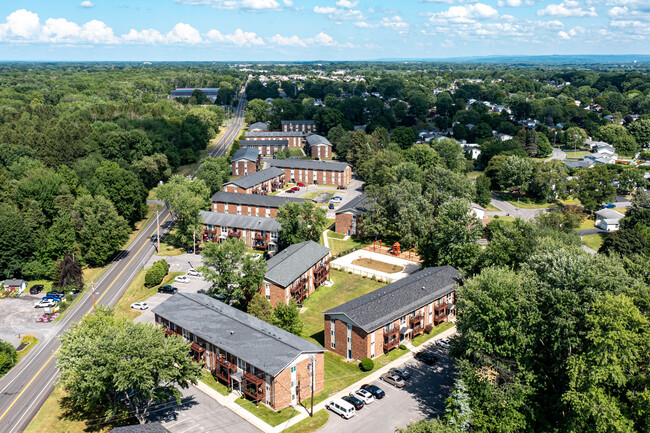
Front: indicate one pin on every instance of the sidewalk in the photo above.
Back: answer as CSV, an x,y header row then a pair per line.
x,y
229,401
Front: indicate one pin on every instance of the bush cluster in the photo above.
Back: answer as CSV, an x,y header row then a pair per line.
x,y
156,273
367,364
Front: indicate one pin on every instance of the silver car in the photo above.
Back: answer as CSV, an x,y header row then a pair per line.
x,y
393,379
363,395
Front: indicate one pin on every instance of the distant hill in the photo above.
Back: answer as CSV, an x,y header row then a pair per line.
x,y
549,59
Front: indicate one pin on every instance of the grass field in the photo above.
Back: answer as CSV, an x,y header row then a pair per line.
x,y
137,292
593,241
474,174
312,194
423,338
296,151
338,245
309,424
210,380
504,218
491,208
267,414
524,202
586,224
333,235
377,265
32,340
578,154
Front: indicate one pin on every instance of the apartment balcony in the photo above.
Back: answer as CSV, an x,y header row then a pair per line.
x,y
417,319
253,387
224,369
417,330
321,273
441,313
299,291
260,243
391,344
234,234
197,352
169,332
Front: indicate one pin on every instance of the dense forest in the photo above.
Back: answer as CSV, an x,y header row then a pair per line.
x,y
80,146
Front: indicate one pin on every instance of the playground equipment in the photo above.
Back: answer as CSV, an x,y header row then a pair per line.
x,y
374,247
395,250
413,250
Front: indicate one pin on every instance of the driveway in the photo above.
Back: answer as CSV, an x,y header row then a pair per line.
x,y
423,396
557,154
18,317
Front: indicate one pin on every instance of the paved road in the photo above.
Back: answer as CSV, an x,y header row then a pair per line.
x,y
557,154
26,387
514,211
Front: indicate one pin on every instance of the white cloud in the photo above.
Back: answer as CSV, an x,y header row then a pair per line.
x,y
61,30
87,4
563,35
395,23
363,25
465,14
237,4
449,1
147,36
321,39
348,4
514,3
568,8
23,24
324,39
287,3
339,14
447,44
238,37
96,32
184,34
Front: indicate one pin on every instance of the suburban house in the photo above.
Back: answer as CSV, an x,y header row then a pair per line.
x,y
306,126
265,363
260,182
296,272
294,138
245,161
258,233
15,285
319,146
471,150
211,93
383,319
317,172
348,216
265,147
608,219
250,204
478,211
259,127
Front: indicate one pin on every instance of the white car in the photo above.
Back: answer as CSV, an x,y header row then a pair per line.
x,y
363,395
444,342
182,279
45,303
193,273
139,306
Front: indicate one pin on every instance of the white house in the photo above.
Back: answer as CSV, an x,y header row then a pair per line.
x,y
608,219
477,210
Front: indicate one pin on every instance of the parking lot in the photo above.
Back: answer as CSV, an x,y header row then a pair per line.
x,y
18,317
423,396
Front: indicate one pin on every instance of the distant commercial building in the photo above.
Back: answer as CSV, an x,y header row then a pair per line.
x,y
316,172
211,93
245,161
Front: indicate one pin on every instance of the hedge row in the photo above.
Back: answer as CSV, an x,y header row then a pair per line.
x,y
156,273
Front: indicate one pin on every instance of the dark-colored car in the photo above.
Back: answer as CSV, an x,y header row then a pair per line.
x,y
358,404
427,358
55,293
402,373
154,238
376,391
331,206
167,289
36,289
52,297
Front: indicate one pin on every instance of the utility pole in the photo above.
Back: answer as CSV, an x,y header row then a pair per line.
x,y
158,230
194,249
92,287
313,366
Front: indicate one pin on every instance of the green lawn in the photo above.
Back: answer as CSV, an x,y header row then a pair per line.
x,y
570,202
339,245
474,174
579,154
593,241
312,194
504,218
491,208
524,202
333,235
210,380
586,224
310,424
27,339
422,338
296,151
137,292
267,414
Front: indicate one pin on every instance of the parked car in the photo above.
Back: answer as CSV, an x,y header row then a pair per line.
x,y
36,289
190,250
331,206
55,293
336,199
291,191
341,187
444,342
610,206
167,289
182,279
363,395
393,379
342,408
52,297
300,184
358,404
427,358
139,306
402,373
45,303
376,391
193,273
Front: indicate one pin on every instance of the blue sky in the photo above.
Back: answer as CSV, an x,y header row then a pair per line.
x,y
284,30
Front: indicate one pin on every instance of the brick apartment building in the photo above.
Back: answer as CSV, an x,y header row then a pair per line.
x,y
259,127
257,232
245,161
294,138
348,216
250,204
306,126
381,320
260,182
296,272
319,146
267,364
265,147
316,172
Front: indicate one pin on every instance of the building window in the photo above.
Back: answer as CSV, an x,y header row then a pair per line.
x,y
333,345
293,369
402,320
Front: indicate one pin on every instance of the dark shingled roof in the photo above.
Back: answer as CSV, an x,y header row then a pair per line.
x,y
13,282
152,427
255,341
261,143
246,153
256,178
254,199
356,205
276,134
289,264
306,164
389,303
318,140
297,122
246,222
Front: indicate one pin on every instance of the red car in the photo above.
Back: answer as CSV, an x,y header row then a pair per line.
x,y
340,187
295,188
291,190
300,184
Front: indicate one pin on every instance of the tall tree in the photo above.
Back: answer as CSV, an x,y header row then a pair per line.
x,y
214,172
516,173
70,274
261,308
287,317
301,222
123,188
112,367
527,138
483,193
595,186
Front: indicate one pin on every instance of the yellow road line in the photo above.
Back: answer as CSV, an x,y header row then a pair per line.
x,y
57,349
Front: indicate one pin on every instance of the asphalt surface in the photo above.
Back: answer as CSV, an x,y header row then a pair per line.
x,y
26,387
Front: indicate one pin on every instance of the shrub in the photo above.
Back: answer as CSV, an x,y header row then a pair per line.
x,y
402,347
8,357
373,278
63,305
156,273
68,297
367,364
428,329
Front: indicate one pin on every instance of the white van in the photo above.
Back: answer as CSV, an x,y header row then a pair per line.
x,y
341,407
